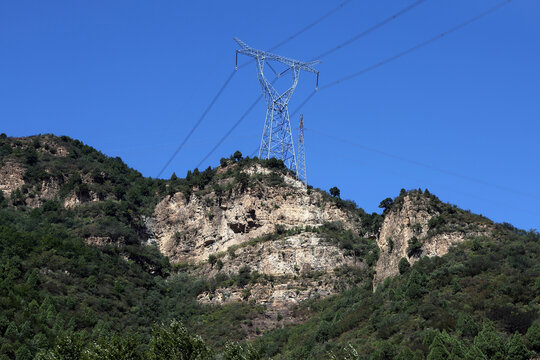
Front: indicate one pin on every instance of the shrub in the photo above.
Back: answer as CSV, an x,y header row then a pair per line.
x,y
404,265
335,192
414,248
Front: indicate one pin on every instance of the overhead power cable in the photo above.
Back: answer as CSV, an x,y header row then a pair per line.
x,y
197,123
405,52
224,137
205,112
453,190
424,165
307,27
368,30
334,49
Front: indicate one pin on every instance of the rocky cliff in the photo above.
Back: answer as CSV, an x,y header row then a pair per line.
x,y
275,231
190,230
248,224
418,224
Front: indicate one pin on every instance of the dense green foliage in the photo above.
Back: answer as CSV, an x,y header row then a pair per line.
x,y
167,342
480,300
63,299
52,284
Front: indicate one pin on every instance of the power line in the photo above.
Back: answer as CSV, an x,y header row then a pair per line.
x,y
370,29
406,52
301,31
340,46
307,27
453,190
424,165
230,131
197,123
380,63
304,29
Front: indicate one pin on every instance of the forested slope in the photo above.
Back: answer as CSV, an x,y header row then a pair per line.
x,y
81,276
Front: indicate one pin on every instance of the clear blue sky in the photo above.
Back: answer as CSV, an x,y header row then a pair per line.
x,y
131,78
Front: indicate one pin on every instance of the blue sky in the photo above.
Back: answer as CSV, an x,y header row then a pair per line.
x,y
459,117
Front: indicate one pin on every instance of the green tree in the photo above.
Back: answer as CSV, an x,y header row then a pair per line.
x,y
437,350
23,353
415,285
516,349
467,325
414,248
174,342
490,342
3,201
68,347
11,332
115,348
347,353
235,351
212,259
384,350
17,198
455,347
474,353
403,265
335,192
533,335
243,180
405,354
50,315
237,155
244,276
386,204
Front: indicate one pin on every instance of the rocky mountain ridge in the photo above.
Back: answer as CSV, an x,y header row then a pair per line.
x,y
246,220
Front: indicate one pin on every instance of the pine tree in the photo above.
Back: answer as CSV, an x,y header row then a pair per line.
x,y
385,350
23,353
415,285
174,342
437,350
490,342
403,266
115,347
455,346
11,332
405,354
67,347
533,335
474,353
26,330
466,325
516,349
50,315
235,351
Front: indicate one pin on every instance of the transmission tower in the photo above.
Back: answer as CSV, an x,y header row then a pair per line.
x,y
277,140
302,174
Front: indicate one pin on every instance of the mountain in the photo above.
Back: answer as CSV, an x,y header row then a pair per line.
x,y
96,258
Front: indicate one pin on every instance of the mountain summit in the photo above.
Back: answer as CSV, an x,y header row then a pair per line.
x,y
91,249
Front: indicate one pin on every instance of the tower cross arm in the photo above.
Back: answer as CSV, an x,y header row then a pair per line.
x,y
301,65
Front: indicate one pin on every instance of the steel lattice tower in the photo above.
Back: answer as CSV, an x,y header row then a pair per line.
x,y
302,174
277,140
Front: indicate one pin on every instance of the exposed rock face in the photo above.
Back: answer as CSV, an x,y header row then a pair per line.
x,y
191,231
296,255
296,269
11,177
398,227
408,221
299,266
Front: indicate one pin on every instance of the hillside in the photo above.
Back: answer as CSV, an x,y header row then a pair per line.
x,y
92,250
